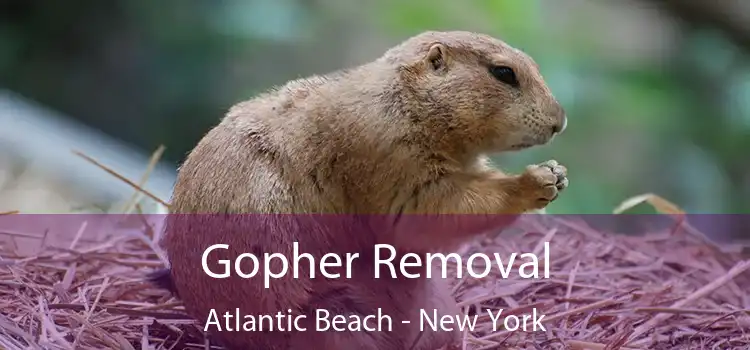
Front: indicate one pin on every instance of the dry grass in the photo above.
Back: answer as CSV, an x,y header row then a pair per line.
x,y
663,290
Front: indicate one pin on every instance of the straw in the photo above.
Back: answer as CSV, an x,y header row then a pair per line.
x,y
659,290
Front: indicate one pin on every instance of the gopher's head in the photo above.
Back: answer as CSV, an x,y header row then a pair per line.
x,y
477,90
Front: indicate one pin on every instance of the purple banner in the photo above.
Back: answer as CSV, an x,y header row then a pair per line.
x,y
275,275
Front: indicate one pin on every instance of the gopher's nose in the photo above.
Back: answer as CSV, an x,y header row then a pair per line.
x,y
561,121
560,127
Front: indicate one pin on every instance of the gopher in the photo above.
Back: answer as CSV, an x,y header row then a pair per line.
x,y
406,134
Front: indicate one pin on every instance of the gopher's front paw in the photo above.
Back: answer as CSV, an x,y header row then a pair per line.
x,y
542,183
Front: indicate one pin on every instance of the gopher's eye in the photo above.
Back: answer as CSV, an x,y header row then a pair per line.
x,y
504,74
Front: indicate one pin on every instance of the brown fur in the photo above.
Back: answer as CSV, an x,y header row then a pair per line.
x,y
407,133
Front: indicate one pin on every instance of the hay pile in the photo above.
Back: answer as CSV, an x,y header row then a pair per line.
x,y
662,291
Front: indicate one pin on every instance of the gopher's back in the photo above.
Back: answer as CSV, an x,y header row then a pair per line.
x,y
281,153
245,164
301,148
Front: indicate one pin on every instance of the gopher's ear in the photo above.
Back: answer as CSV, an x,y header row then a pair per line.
x,y
437,56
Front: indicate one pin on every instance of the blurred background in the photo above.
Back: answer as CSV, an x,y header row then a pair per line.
x,y
657,91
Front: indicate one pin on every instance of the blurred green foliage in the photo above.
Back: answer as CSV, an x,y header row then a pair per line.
x,y
163,72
